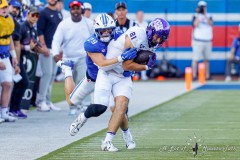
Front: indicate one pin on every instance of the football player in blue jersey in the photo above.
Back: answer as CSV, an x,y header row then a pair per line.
x,y
96,48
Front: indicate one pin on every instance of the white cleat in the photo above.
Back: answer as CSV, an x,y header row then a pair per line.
x,y
1,120
43,107
8,118
130,144
108,146
53,107
76,125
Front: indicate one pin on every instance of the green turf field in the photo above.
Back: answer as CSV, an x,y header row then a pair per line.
x,y
58,92
167,131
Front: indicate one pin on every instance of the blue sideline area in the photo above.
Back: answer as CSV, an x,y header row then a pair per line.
x,y
219,87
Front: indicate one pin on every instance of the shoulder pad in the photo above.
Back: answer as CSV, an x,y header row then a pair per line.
x,y
92,45
117,33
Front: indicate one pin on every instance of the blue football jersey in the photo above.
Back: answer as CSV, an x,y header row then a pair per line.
x,y
94,45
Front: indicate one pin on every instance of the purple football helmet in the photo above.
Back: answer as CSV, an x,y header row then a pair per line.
x,y
161,28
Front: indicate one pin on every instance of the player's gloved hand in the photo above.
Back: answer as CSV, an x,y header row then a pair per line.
x,y
127,54
128,73
151,62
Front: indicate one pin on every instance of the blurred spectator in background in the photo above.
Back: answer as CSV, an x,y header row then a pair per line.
x,y
14,9
60,7
87,9
202,38
111,14
6,49
140,19
47,24
39,5
70,35
234,57
141,23
122,21
29,44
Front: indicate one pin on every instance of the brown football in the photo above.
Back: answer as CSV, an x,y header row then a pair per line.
x,y
143,56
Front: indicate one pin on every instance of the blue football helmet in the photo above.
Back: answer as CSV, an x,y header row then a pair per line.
x,y
104,23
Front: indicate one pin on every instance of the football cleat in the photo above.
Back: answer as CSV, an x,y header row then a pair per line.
x,y
65,65
76,125
108,146
130,144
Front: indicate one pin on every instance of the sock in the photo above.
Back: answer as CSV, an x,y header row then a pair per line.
x,y
68,73
4,111
127,133
83,117
109,136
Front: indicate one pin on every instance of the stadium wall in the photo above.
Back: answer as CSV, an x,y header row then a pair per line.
x,y
225,13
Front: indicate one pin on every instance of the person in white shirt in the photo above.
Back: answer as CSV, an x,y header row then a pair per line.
x,y
140,19
87,9
70,37
60,6
202,38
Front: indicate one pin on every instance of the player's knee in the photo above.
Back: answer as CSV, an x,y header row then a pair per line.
x,y
6,85
69,101
95,110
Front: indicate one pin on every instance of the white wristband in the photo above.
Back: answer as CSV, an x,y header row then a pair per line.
x,y
27,47
147,68
13,54
0,60
120,59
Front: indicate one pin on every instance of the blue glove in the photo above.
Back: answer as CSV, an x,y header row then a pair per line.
x,y
151,61
128,54
128,73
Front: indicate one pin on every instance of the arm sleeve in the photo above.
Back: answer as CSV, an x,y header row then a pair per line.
x,y
57,40
41,23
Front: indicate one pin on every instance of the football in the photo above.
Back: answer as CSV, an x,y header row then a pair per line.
x,y
143,56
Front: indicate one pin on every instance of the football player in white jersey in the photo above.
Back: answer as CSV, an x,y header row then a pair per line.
x,y
96,47
116,79
113,80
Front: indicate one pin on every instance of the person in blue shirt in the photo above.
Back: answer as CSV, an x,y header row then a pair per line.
x,y
234,56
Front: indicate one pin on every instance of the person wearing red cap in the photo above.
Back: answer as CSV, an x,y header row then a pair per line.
x,y
70,37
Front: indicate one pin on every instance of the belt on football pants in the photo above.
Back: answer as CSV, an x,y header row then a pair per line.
x,y
88,77
4,55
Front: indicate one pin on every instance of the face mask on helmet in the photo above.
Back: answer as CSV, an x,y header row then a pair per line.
x,y
104,26
158,28
105,35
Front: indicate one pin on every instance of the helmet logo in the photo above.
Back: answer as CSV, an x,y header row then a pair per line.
x,y
104,20
158,25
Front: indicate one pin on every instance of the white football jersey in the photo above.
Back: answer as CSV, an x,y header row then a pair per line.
x,y
139,40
